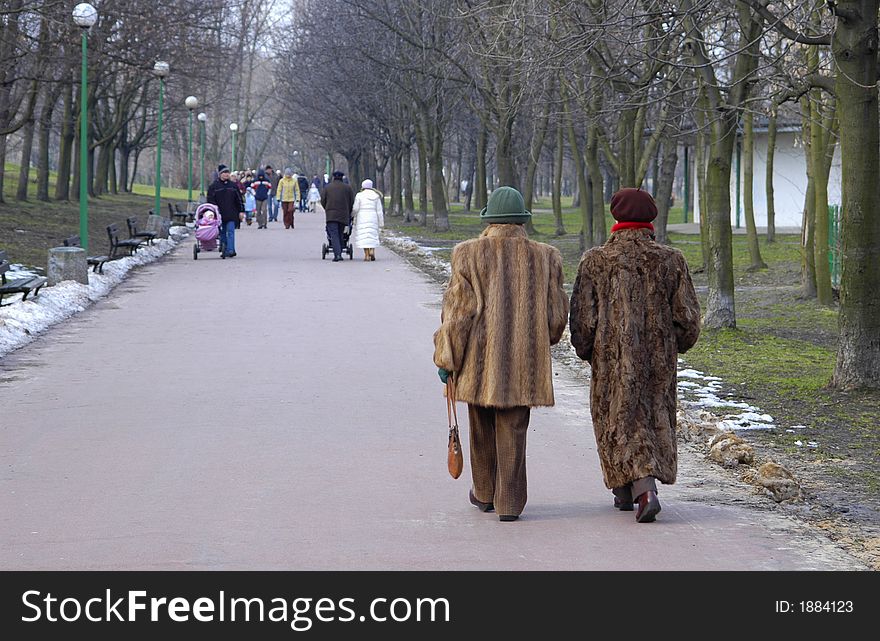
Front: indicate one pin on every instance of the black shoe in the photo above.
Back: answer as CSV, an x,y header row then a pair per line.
x,y
649,507
233,255
482,507
623,498
336,260
508,517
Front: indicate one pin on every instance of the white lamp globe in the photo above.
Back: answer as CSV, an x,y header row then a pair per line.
x,y
191,102
85,15
233,127
202,117
161,69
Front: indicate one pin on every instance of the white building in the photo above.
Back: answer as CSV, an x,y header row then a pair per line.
x,y
789,180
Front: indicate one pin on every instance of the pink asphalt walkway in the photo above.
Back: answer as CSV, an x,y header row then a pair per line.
x,y
277,411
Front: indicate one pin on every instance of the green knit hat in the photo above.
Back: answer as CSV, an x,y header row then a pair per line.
x,y
506,205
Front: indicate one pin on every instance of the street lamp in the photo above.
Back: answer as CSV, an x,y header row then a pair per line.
x,y
85,16
160,70
202,118
191,103
233,128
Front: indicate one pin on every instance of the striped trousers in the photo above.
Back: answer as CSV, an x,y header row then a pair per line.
x,y
498,456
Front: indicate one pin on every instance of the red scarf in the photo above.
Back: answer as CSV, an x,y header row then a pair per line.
x,y
619,226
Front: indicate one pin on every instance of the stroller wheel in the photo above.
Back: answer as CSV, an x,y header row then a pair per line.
x,y
195,252
324,250
350,252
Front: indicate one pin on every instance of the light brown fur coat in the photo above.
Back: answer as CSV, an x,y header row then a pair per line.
x,y
633,310
503,308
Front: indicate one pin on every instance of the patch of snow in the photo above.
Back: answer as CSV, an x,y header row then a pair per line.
x,y
408,245
21,321
690,373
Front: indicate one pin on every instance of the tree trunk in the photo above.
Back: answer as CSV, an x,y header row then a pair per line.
x,y
755,260
24,171
504,153
43,146
771,155
664,189
408,204
480,193
855,50
396,203
597,187
422,145
533,160
438,191
111,177
819,134
557,183
808,257
583,200
124,157
65,146
700,171
720,308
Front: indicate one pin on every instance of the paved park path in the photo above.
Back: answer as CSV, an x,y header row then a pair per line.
x,y
277,411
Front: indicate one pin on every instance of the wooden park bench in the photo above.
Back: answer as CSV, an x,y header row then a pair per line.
x,y
97,262
178,217
117,244
23,286
133,232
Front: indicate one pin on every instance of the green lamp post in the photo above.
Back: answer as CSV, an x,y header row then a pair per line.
x,y
233,128
191,103
85,16
160,70
202,117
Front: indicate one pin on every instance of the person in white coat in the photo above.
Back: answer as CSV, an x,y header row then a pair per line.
x,y
369,217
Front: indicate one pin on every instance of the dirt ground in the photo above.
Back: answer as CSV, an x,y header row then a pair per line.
x,y
837,481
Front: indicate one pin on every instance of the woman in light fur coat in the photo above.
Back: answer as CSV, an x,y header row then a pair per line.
x,y
368,217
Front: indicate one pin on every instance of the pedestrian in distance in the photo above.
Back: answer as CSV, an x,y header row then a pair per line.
x,y
503,308
288,194
314,197
633,310
262,190
337,200
225,195
250,205
274,178
303,191
368,217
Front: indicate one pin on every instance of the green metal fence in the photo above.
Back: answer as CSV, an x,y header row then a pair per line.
x,y
834,244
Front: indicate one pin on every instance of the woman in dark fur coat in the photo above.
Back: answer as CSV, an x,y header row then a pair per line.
x,y
633,310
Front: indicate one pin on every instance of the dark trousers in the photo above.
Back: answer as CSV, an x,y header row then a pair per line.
x,y
498,456
334,230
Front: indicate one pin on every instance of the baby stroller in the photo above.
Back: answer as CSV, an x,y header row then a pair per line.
x,y
326,248
207,230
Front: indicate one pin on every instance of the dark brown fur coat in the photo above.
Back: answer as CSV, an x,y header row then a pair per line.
x,y
504,306
633,310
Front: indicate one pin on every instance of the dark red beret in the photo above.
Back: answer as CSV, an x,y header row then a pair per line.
x,y
632,205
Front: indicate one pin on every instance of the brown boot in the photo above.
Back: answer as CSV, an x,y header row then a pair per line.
x,y
372,253
366,255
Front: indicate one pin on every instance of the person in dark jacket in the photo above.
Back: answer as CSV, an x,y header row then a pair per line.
x,y
303,191
225,195
274,178
337,201
262,187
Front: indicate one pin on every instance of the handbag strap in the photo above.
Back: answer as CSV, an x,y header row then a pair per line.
x,y
450,401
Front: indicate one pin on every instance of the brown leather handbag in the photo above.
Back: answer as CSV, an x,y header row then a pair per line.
x,y
454,458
